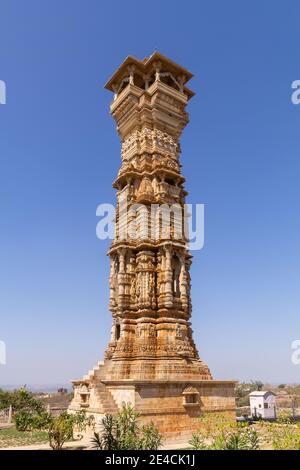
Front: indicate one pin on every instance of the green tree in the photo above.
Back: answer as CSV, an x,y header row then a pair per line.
x,y
258,384
20,400
243,389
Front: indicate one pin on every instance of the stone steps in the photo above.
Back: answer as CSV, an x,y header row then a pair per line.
x,y
108,404
95,372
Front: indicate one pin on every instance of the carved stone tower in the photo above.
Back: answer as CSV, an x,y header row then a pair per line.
x,y
151,360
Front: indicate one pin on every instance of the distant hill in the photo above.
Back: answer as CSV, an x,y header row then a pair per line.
x,y
38,388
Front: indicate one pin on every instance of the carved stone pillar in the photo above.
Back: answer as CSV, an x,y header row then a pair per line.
x,y
150,287
168,278
183,283
151,359
112,283
145,284
121,279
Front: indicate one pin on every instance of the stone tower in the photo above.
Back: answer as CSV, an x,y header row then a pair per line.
x,y
151,360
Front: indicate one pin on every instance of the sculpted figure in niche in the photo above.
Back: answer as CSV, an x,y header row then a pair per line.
x,y
151,330
139,330
138,288
152,289
116,266
113,333
145,191
133,290
179,331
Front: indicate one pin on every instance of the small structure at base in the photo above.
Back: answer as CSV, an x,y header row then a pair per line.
x,y
263,404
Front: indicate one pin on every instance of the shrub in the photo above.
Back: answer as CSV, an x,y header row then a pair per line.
x,y
241,439
60,431
126,428
198,442
24,420
42,421
61,427
121,432
81,422
243,401
97,441
110,435
151,439
283,434
285,438
29,421
217,432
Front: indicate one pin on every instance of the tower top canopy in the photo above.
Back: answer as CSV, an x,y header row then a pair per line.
x,y
143,73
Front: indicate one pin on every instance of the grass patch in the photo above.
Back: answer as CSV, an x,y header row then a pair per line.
x,y
13,438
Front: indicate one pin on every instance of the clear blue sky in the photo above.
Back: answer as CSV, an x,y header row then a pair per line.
x,y
59,153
